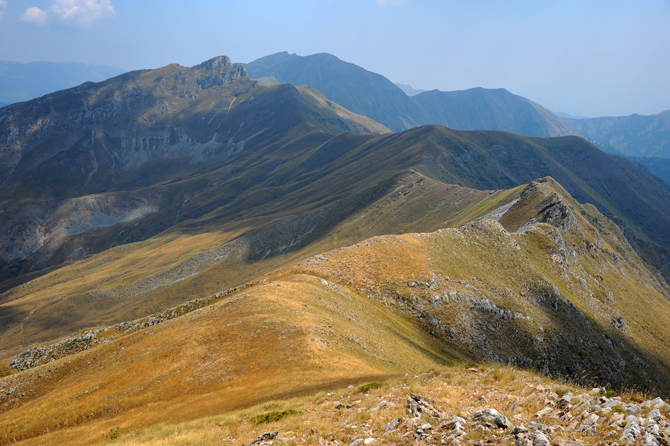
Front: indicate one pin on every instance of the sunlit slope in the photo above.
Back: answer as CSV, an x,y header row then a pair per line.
x,y
134,280
559,291
291,335
566,296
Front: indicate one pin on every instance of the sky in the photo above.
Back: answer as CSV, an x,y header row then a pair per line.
x,y
584,57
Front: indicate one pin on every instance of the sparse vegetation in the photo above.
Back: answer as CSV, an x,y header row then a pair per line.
x,y
367,387
273,416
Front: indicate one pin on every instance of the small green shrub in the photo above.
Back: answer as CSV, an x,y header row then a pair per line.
x,y
367,387
617,409
609,393
115,433
273,416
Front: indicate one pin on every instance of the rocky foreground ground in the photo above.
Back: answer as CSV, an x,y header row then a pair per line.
x,y
458,406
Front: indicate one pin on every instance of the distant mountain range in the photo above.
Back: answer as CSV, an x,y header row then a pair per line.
x,y
398,106
373,95
25,81
634,135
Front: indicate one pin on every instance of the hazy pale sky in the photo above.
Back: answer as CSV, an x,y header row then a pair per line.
x,y
584,57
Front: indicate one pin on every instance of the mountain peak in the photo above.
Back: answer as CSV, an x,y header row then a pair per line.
x,y
216,63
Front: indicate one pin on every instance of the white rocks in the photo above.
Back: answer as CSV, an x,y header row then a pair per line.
x,y
588,427
502,422
654,415
486,412
454,423
650,440
382,404
457,426
533,439
267,436
418,405
422,432
544,412
632,430
392,424
631,409
564,402
616,418
657,402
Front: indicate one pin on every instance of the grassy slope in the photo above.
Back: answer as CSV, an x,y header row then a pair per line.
x,y
364,313
527,274
457,391
298,177
288,336
133,280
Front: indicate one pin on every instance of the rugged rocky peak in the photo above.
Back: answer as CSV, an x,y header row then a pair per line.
x,y
217,63
218,71
542,201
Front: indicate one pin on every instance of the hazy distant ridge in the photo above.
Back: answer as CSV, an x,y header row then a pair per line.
x,y
634,135
375,96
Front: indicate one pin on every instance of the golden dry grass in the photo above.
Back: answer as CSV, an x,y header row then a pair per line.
x,y
281,338
132,281
349,316
457,391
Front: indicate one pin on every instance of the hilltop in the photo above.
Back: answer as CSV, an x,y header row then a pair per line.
x,y
273,205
